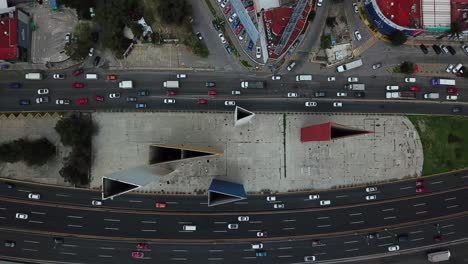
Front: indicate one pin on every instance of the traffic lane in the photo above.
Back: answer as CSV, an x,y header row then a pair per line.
x,y
214,226
42,247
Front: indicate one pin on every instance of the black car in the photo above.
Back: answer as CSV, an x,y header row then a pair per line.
x,y
9,243
372,235
210,84
424,49
24,102
14,85
451,50
457,109
228,49
359,94
95,36
131,99
58,240
403,238
96,60
143,93
436,49
320,94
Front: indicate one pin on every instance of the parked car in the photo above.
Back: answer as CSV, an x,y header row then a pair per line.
x,y
452,90
424,49
96,60
450,68
227,9
91,52
355,7
199,36
451,50
465,49
232,17
436,49
258,53
221,36
250,47
444,49
357,35
239,28
319,2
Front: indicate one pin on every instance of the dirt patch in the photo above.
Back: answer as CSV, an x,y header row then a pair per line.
x,y
337,25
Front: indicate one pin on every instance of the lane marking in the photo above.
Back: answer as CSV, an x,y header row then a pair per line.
x,y
111,228
320,253
172,202
322,217
421,212
37,222
285,256
2,208
135,201
341,196
417,239
68,253
384,245
28,249
249,257
241,203
420,204
356,222
289,220
219,231
75,226
215,250
353,249
389,209
437,182
62,195
111,220
463,177
183,223
416,232
281,248
355,214
74,216
179,250
445,226
39,213
220,223
451,198
148,230
254,230
215,258
69,245
405,188
320,226
178,259
104,256
350,242
204,203
23,190
255,222
148,222
452,206
389,217
384,237
30,241
289,228
449,233
107,248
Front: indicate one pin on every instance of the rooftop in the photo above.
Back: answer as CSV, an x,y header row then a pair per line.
x,y
8,36
405,13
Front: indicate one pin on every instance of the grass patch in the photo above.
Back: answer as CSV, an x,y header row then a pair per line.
x,y
444,140
210,6
246,63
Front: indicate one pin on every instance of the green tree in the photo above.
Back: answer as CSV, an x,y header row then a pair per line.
x,y
398,38
407,67
325,41
81,6
137,29
32,152
174,11
75,130
81,42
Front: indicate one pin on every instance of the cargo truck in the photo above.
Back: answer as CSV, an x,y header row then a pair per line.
x,y
439,256
400,95
33,76
349,66
171,84
431,96
253,84
126,84
355,86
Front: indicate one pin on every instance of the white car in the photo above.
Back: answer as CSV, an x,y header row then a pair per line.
x,y
357,35
393,248
91,52
341,94
230,103
355,8
293,95
276,77
325,202
410,80
353,79
258,53
68,37
309,258
331,79
181,76
221,36
243,218
278,206
224,3
58,76
310,104
96,202
62,101
236,92
43,91
314,196
21,216
271,198
169,101
450,68
261,234
319,2
232,17
371,189
371,197
34,196
233,226
452,97
337,104
114,95
465,49
457,68
392,87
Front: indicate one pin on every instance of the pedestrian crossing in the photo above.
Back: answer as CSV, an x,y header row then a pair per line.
x,y
361,49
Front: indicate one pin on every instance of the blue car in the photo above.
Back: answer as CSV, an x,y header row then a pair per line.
x,y
140,105
24,102
235,23
15,85
249,48
261,254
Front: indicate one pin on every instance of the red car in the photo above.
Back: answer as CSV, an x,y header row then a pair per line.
x,y
452,90
227,9
81,101
160,205
419,183
78,85
111,77
142,246
170,92
138,255
438,238
211,92
420,189
239,29
315,242
250,8
414,88
99,98
77,72
201,101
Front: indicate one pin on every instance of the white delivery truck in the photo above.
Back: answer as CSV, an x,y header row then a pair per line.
x,y
303,77
126,84
349,66
171,84
439,256
33,76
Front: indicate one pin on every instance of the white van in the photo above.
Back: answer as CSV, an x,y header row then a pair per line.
x,y
457,68
303,77
189,228
257,246
91,76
